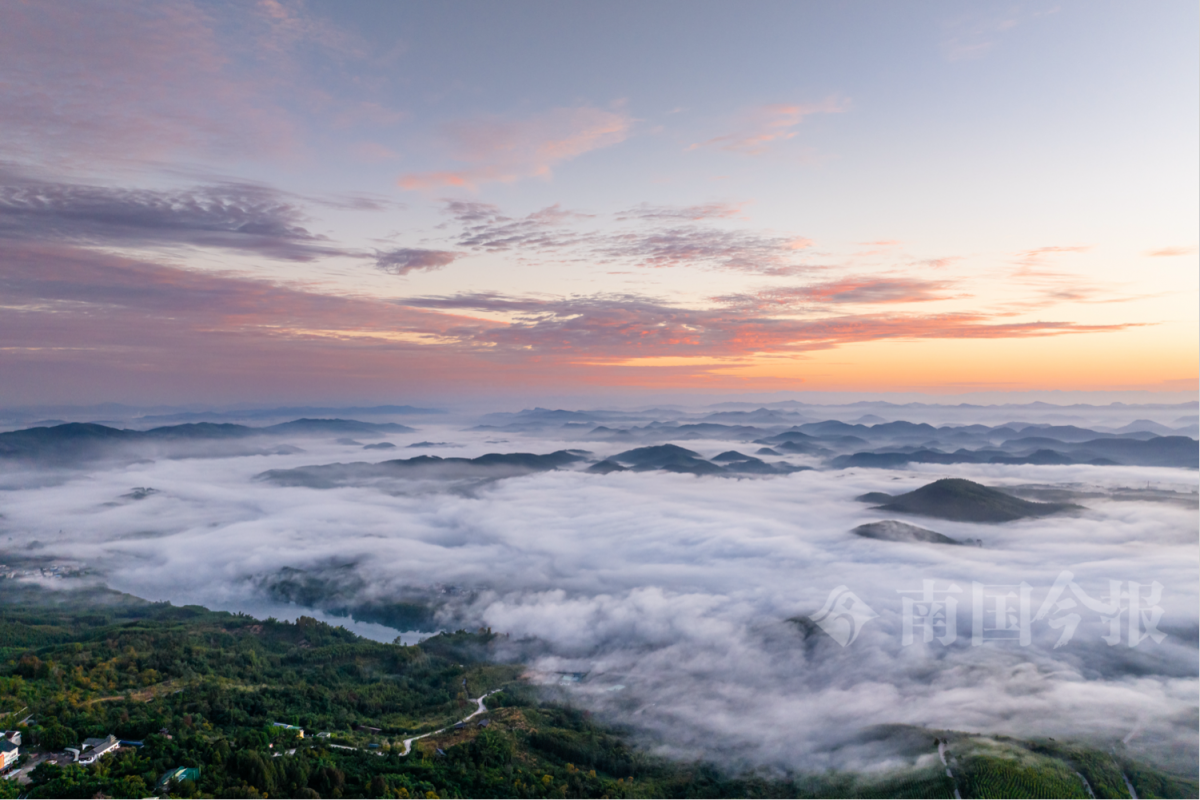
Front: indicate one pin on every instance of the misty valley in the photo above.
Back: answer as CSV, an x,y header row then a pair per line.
x,y
789,599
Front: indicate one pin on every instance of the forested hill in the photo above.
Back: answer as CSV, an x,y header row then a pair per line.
x,y
190,688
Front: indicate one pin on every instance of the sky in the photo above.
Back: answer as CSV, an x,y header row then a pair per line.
x,y
353,201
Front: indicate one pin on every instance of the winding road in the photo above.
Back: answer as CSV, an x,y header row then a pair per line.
x,y
482,709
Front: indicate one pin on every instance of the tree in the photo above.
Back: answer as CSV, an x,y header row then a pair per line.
x,y
327,780
256,771
240,791
56,737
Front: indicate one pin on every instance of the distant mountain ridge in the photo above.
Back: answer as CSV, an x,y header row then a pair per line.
x,y
673,458
489,466
88,440
829,443
1160,451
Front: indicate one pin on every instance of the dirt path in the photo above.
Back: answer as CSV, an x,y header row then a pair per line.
x,y
949,774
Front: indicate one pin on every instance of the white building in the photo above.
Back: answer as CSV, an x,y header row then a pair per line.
x,y
8,753
94,748
299,731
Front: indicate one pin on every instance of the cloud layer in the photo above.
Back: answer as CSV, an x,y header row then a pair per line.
x,y
72,313
675,594
61,236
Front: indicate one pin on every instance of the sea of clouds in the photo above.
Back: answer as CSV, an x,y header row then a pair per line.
x,y
678,604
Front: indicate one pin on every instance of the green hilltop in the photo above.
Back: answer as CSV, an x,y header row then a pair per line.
x,y
964,501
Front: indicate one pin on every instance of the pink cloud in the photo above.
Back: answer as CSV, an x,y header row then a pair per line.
x,y
1167,252
939,263
130,298
1031,263
76,318
94,298
81,321
1038,254
767,125
621,327
128,82
1049,286
502,150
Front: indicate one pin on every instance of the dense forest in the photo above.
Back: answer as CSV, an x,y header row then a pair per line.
x,y
185,687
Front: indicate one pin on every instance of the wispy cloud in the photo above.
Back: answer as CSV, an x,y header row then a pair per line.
x,y
407,259
1048,285
288,24
937,263
66,297
549,232
619,327
485,227
865,290
499,150
1167,252
127,82
131,84
974,34
233,216
1032,263
742,251
695,213
765,126
58,296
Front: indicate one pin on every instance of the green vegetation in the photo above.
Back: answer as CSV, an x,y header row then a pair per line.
x,y
998,776
201,690
1104,772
